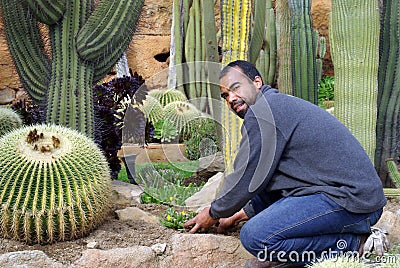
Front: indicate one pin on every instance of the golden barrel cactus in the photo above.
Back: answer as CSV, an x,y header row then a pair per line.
x,y
54,184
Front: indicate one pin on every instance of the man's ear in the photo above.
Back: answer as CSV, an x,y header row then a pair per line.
x,y
258,82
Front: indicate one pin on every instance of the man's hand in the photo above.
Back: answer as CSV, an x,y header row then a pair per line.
x,y
235,219
201,222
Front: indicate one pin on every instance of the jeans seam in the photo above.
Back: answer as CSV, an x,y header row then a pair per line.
x,y
302,222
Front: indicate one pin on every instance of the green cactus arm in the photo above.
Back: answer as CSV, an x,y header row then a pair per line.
x,y
48,12
27,49
110,25
284,51
257,35
270,36
393,172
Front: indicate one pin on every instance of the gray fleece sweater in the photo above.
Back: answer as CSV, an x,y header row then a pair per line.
x,y
296,148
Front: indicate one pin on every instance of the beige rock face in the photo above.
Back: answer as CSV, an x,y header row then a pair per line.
x,y
152,37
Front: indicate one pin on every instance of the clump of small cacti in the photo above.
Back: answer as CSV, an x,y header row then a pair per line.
x,y
152,109
166,96
182,114
54,184
9,120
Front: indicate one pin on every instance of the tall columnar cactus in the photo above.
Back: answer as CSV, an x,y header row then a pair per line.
x,y
9,120
235,25
54,184
266,61
387,127
354,48
194,44
303,51
85,45
284,52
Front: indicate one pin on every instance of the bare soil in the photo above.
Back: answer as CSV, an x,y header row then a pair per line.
x,y
113,233
119,234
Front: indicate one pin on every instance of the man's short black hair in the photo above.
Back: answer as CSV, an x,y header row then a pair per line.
x,y
248,69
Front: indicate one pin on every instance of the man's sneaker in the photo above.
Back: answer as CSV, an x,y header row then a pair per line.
x,y
376,243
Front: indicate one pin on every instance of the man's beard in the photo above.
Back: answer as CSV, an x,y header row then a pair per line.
x,y
242,112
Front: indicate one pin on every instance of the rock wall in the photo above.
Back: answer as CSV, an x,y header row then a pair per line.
x,y
149,49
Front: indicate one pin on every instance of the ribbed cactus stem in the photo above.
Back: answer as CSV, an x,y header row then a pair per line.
x,y
284,53
387,127
305,82
55,184
354,48
235,24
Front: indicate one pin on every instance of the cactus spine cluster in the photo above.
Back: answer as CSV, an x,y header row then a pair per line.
x,y
85,45
182,114
54,184
9,120
387,125
354,50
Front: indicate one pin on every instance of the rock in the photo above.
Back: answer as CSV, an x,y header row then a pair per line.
x,y
134,213
92,244
159,248
211,165
28,259
207,194
205,250
130,257
390,221
125,194
7,95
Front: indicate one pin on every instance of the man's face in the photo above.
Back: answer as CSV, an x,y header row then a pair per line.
x,y
238,90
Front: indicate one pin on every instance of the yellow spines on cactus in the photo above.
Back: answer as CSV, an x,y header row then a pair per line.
x,y
54,184
235,20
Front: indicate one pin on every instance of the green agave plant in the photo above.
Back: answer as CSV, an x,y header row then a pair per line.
x,y
54,184
9,120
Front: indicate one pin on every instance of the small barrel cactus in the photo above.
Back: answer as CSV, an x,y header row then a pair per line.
x,y
166,96
182,114
152,109
9,120
54,184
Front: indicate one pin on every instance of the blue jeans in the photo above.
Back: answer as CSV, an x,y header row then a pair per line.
x,y
301,229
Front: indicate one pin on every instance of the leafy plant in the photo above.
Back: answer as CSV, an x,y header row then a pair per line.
x,y
165,131
175,219
110,108
164,186
326,91
203,141
30,113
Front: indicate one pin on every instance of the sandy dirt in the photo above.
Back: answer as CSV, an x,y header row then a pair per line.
x,y
115,234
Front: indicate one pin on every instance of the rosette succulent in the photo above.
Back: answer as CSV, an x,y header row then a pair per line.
x,y
54,184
